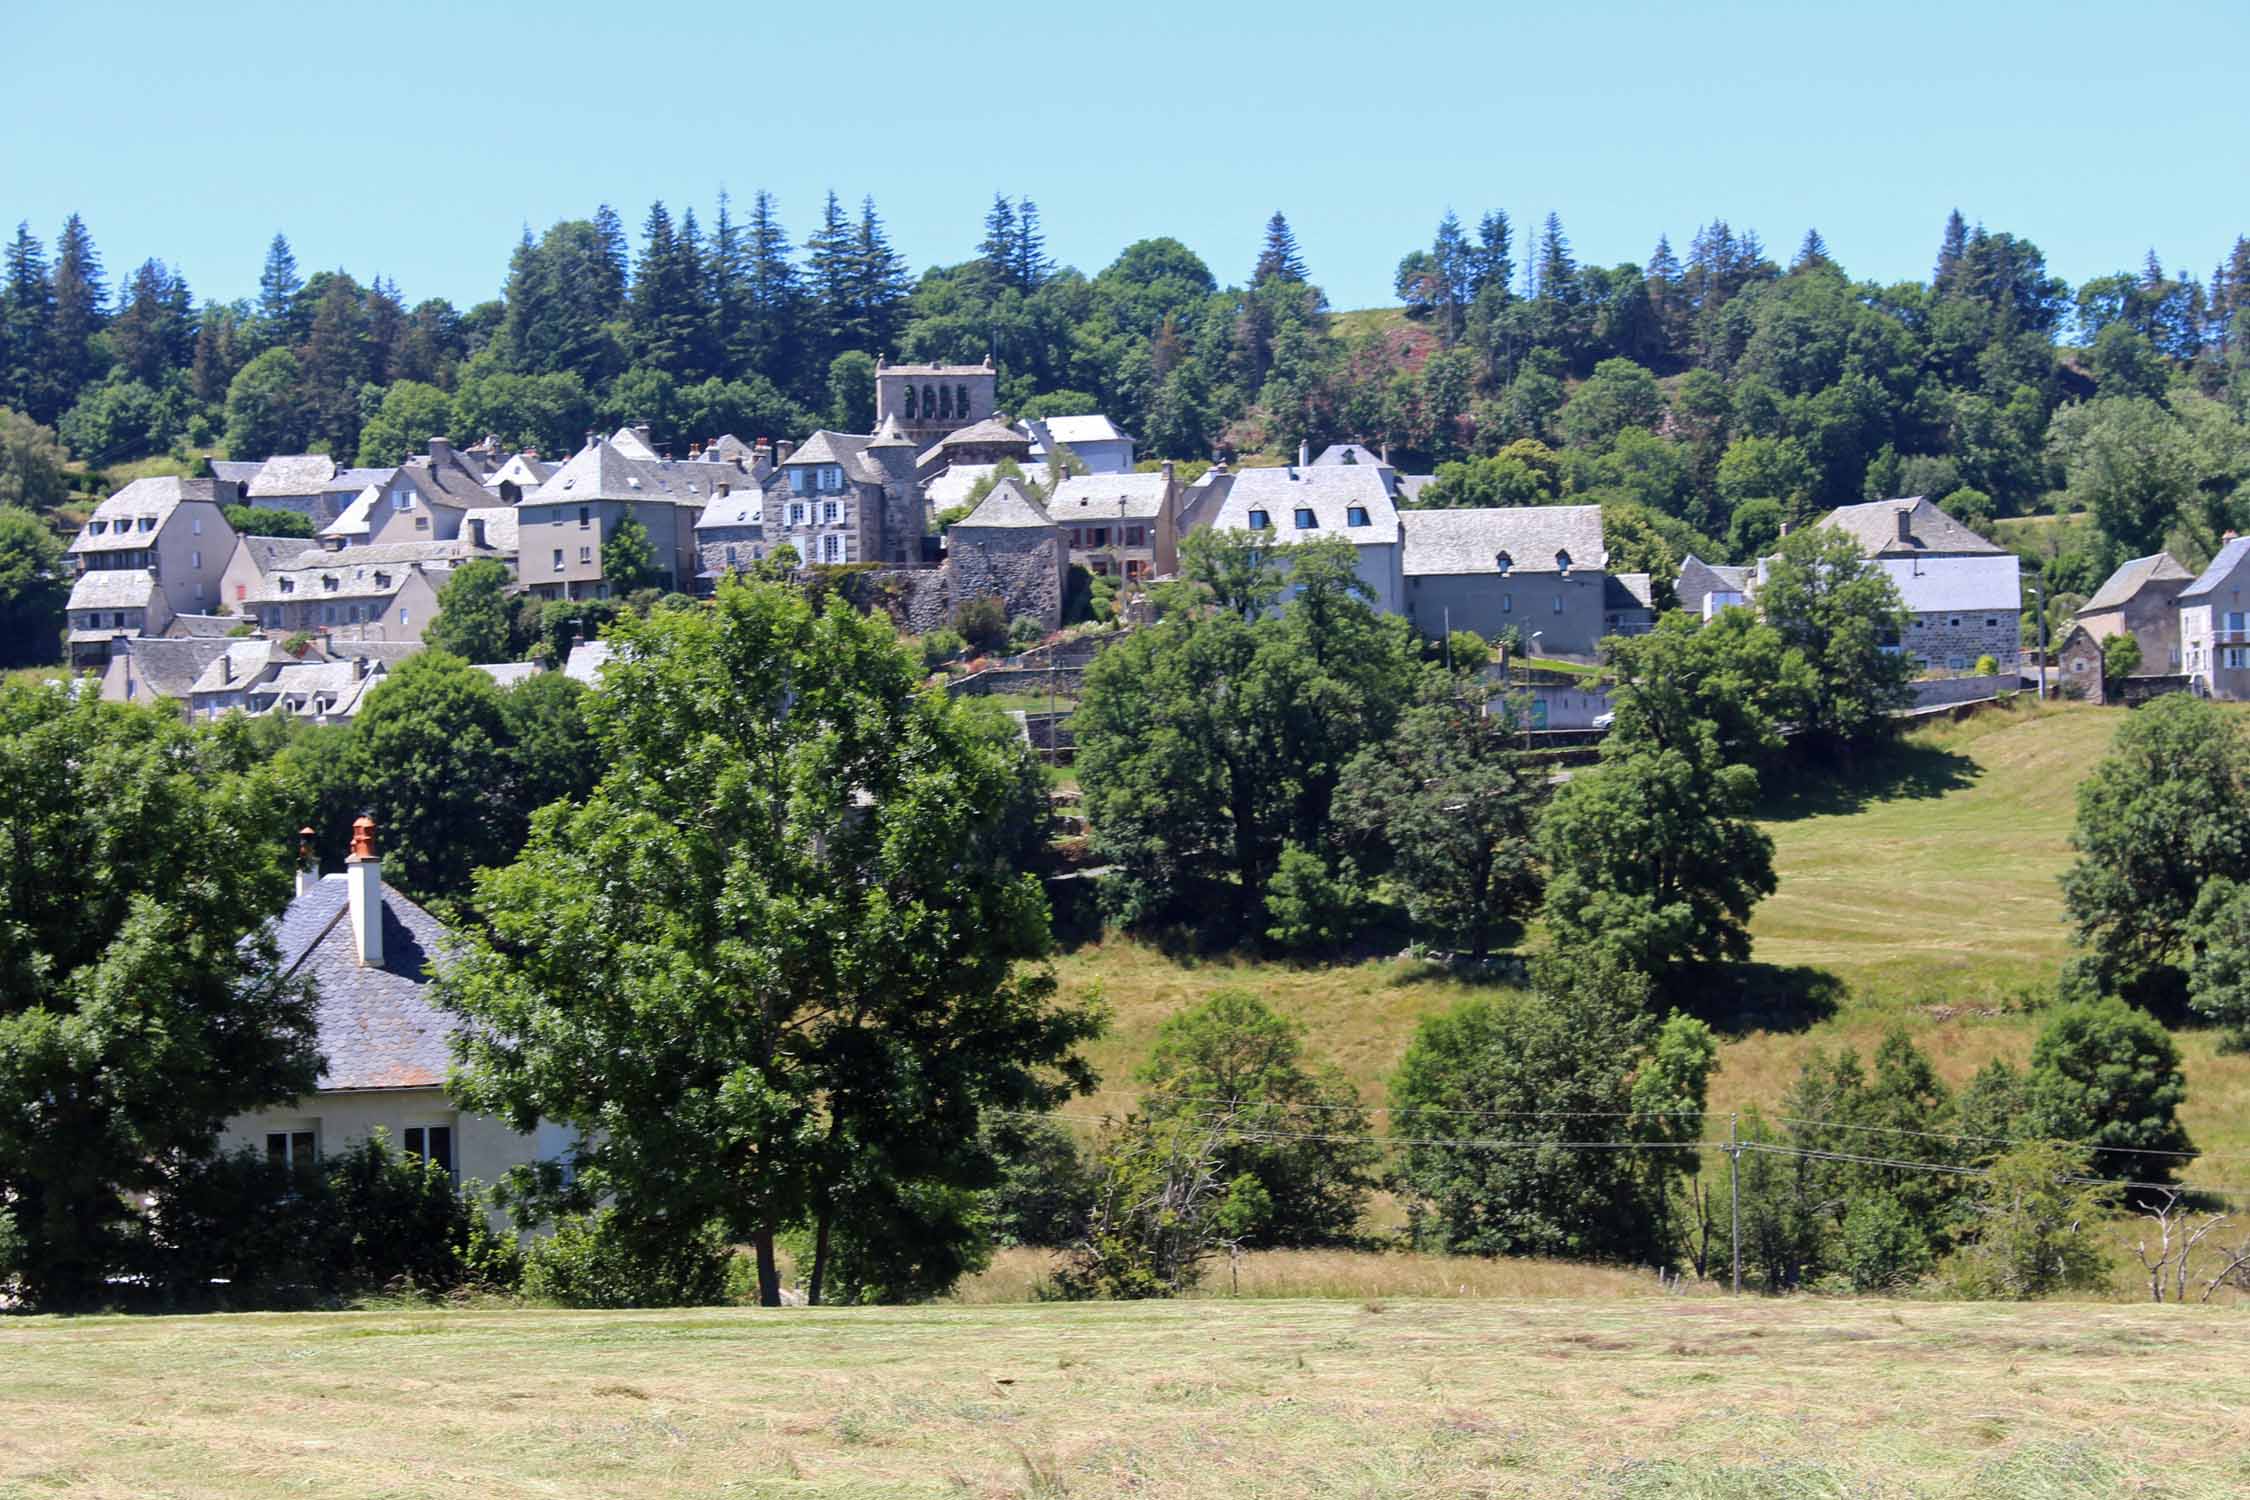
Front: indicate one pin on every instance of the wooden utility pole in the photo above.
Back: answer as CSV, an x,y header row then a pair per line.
x,y
1734,1191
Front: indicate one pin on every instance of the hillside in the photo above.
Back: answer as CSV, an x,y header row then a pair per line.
x,y
1920,886
1619,1400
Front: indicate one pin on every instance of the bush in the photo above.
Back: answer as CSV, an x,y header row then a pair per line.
x,y
2106,1074
1025,631
1988,666
1046,1187
1881,1248
982,622
262,520
1312,907
597,1260
2033,1227
940,647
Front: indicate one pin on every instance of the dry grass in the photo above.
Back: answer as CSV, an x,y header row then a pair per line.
x,y
1620,1398
1018,1275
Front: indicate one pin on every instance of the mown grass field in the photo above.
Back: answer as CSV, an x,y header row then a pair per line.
x,y
1923,892
1623,1399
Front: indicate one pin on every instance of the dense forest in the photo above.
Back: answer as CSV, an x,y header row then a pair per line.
x,y
1708,396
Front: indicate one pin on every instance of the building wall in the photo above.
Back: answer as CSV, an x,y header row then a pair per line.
x,y
2153,616
714,543
483,1148
240,579
1023,567
418,521
2215,642
401,615
1488,603
1954,641
193,548
544,528
801,521
980,385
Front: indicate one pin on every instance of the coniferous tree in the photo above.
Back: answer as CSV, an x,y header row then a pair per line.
x,y
27,311
336,365
611,262
726,275
1813,251
1453,262
1558,273
216,353
1278,259
666,302
151,334
998,247
773,339
828,263
1951,248
879,282
80,301
280,308
1490,262
386,330
1031,265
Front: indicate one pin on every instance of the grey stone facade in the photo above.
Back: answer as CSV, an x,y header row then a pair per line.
x,y
929,401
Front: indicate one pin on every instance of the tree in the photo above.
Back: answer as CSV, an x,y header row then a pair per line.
x,y
2107,1076
1619,394
2218,973
2032,1227
2121,658
1731,674
265,414
851,391
33,587
27,311
72,357
1767,468
32,463
474,619
1243,578
1651,857
141,1001
667,314
2165,815
789,899
1444,800
2126,459
281,316
629,561
1841,611
1278,258
1494,1095
551,751
411,414
263,520
1297,1130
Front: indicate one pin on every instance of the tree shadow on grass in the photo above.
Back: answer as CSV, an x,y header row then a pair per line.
x,y
1737,999
1850,783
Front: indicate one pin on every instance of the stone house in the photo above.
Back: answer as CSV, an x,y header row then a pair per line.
x,y
171,532
109,605
1122,525
1963,594
383,593
1628,604
929,401
2215,624
370,954
1537,568
983,443
730,536
562,527
1301,502
1706,588
143,669
253,558
1009,548
2142,597
426,498
311,485
1356,455
1097,442
492,528
2079,660
846,498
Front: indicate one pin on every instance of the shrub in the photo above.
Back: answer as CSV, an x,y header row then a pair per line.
x,y
2106,1074
1046,1187
1024,631
1988,666
2032,1229
1312,907
940,647
982,622
598,1260
1155,1218
1881,1248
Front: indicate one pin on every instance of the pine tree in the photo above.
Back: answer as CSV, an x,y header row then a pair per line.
x,y
879,281
386,330
828,263
1278,259
1031,265
666,304
1663,265
1493,266
80,299
1945,277
1558,273
1812,252
998,247
726,276
281,313
216,357
774,340
1455,263
27,311
611,277
336,365
144,334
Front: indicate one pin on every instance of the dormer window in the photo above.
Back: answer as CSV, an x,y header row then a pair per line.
x,y
1306,520
831,478
96,528
289,585
1562,563
328,583
1356,516
402,499
797,481
148,523
1503,562
1260,521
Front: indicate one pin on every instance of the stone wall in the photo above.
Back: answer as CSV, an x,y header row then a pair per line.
x,y
1941,643
1022,568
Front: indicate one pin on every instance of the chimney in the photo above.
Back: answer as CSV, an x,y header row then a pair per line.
x,y
226,666
592,438
359,670
1304,455
640,430
782,450
1167,472
1386,454
441,451
1906,523
308,867
1785,528
363,873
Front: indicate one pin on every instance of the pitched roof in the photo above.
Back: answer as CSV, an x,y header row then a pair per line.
x,y
509,673
1622,591
333,689
1090,428
1930,531
203,625
951,485
2131,577
500,521
631,444
846,450
236,470
587,658
357,518
2222,567
169,669
356,480
1328,493
602,471
378,1027
989,432
293,474
1471,541
1006,507
744,507
151,500
1349,453
248,659
358,572
1098,497
445,482
1968,584
113,588
890,435
267,553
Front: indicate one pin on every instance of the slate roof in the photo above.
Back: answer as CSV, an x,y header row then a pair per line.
x,y
890,435
250,657
603,472
170,669
359,572
267,553
451,483
1091,428
745,507
1349,453
983,369
2222,567
293,474
1410,486
1965,584
378,1028
587,658
1932,533
508,674
1329,493
951,485
2131,577
357,518
1085,498
1699,580
628,442
1440,542
1007,507
499,527
356,480
727,448
153,499
329,688
1623,591
203,625
991,432
236,470
113,588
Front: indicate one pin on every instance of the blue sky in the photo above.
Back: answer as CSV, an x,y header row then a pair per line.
x,y
415,139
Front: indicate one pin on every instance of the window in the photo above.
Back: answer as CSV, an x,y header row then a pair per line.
x,y
1507,604
796,513
558,560
832,548
585,555
148,523
1306,520
328,614
1954,621
421,523
195,528
382,579
1136,536
1356,516
405,617
288,585
961,402
431,1143
354,617
796,481
1259,520
1503,562
731,557
328,583
2234,622
2235,658
402,500
96,528
585,517
241,592
1990,621
195,559
292,1148
1562,566
1558,604
1956,663
2078,664
829,511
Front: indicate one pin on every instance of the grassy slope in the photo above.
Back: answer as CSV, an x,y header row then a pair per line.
x,y
1623,1399
1931,896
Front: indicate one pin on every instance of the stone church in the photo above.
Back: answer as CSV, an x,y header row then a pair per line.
x,y
930,401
